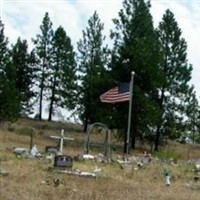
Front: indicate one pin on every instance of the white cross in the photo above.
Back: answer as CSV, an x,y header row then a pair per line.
x,y
61,138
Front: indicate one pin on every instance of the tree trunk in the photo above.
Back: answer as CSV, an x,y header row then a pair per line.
x,y
133,141
133,133
52,100
40,106
50,109
85,125
31,141
157,138
41,93
125,143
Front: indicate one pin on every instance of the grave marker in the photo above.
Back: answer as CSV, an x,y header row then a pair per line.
x,y
63,161
51,149
61,138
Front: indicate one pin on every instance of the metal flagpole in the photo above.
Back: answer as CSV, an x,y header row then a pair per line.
x,y
129,113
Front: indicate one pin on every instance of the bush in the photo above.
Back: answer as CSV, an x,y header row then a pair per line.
x,y
168,155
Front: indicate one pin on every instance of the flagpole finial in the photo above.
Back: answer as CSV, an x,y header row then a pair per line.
x,y
132,73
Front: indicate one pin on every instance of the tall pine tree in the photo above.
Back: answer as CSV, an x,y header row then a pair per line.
x,y
177,72
23,64
62,82
9,101
3,61
43,46
92,58
193,117
137,48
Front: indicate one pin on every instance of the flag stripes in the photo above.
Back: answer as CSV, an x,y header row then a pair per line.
x,y
116,94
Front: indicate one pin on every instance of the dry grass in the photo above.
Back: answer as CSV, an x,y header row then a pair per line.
x,y
28,178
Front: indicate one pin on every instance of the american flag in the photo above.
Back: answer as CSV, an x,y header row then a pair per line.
x,y
117,94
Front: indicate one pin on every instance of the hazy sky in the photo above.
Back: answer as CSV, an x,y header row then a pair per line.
x,y
23,18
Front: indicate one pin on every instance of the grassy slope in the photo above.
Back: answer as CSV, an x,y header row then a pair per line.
x,y
27,179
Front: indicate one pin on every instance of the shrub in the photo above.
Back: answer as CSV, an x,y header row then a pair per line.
x,y
168,155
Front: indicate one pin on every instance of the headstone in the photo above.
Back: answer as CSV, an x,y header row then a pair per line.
x,y
51,149
63,162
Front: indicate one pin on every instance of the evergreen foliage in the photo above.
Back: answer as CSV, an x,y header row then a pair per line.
x,y
43,47
193,117
9,102
62,80
164,103
136,48
23,64
177,72
92,58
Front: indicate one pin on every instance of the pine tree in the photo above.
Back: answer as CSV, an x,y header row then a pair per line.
x,y
43,46
9,105
193,116
136,48
3,59
23,65
177,73
4,48
92,62
11,94
63,73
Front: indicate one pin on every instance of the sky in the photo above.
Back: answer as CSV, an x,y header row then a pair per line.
x,y
22,18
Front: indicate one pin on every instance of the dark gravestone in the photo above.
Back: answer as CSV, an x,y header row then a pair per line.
x,y
62,162
51,149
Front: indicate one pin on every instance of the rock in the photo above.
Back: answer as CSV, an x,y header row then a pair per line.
x,y
4,172
197,167
20,151
88,157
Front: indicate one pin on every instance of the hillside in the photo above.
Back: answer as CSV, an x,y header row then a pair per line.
x,y
34,178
